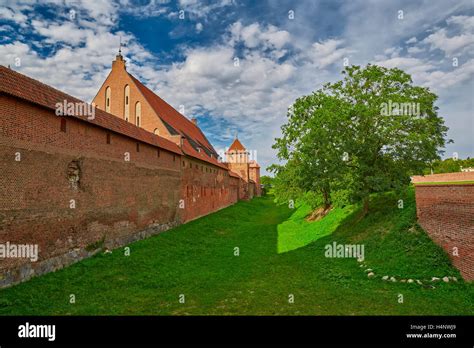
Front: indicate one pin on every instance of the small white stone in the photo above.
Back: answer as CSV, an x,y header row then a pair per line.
x,y
455,279
419,282
392,279
371,274
385,278
446,279
435,279
369,270
410,280
403,280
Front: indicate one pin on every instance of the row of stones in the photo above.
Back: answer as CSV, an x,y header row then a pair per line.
x,y
371,274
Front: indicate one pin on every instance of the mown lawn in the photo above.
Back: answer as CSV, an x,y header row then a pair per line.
x,y
197,260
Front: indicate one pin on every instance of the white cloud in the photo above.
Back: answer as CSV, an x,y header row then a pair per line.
x,y
201,8
67,32
450,45
328,52
199,27
8,14
275,65
465,22
415,50
254,36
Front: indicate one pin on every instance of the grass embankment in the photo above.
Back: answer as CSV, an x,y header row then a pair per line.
x,y
297,232
198,260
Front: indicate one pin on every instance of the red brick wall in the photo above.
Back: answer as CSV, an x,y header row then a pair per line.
x,y
446,212
116,201
255,176
205,188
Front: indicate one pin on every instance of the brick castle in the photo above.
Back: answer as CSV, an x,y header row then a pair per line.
x,y
75,185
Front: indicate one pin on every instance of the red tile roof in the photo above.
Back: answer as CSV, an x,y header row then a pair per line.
x,y
234,174
195,142
24,87
236,145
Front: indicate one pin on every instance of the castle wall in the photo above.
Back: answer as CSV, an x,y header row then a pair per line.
x,y
255,176
446,213
72,192
206,188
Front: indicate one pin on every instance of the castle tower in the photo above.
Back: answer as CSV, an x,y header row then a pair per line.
x,y
237,158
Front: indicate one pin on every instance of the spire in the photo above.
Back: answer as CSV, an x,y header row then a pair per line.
x,y
119,62
236,135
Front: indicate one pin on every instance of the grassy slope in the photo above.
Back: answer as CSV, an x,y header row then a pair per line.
x,y
197,260
296,232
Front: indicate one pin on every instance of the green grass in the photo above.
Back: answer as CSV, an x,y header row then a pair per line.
x,y
296,232
197,260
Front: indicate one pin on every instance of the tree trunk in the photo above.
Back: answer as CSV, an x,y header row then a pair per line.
x,y
365,209
327,201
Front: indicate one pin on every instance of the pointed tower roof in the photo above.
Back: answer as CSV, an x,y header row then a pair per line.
x,y
236,145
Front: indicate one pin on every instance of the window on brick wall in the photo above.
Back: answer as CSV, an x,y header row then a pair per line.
x,y
138,147
126,111
138,114
108,95
158,153
184,164
63,124
108,138
174,158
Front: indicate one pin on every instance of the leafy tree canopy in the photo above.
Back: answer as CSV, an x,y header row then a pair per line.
x,y
366,133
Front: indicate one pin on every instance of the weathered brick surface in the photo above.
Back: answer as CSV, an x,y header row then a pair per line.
x,y
446,212
116,201
206,188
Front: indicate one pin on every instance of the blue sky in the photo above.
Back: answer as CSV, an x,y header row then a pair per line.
x,y
237,65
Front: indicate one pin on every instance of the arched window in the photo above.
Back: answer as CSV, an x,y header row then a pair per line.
x,y
126,112
156,131
108,94
138,114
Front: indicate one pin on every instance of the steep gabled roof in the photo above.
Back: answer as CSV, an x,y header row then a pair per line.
x,y
33,91
195,143
236,145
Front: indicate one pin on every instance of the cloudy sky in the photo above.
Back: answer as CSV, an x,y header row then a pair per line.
x,y
237,65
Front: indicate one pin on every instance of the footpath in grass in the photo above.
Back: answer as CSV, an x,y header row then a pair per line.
x,y
198,261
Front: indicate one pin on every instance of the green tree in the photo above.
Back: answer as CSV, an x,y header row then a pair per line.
x,y
449,165
366,133
266,180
